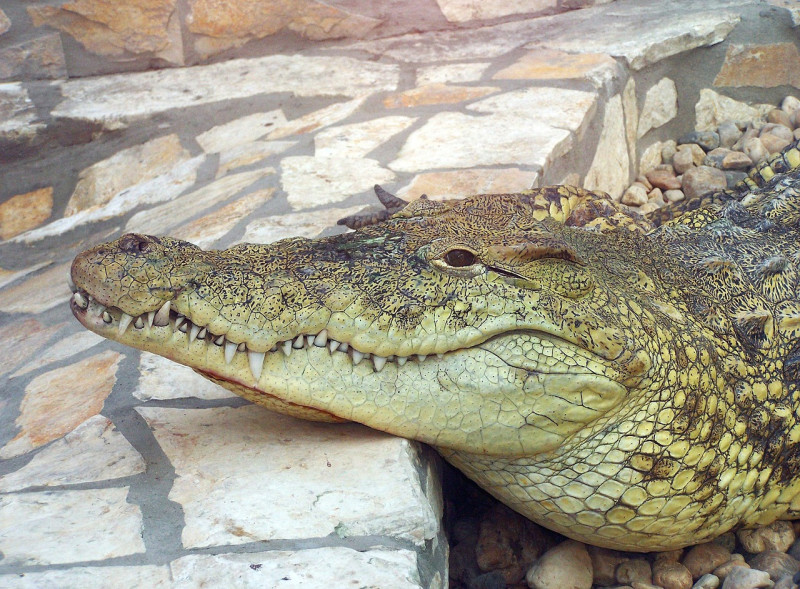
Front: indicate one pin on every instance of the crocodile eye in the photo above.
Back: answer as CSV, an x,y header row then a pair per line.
x,y
459,258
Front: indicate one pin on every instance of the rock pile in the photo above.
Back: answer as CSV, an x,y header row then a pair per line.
x,y
705,161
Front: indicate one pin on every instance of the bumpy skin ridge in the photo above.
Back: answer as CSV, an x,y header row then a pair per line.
x,y
629,386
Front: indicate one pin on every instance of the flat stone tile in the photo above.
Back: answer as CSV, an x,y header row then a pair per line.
x,y
25,211
41,57
17,112
318,119
160,378
461,183
662,30
116,577
164,187
23,339
57,527
358,139
454,73
247,474
239,131
464,141
160,219
102,181
93,451
209,229
317,567
306,224
760,65
436,94
551,64
313,181
250,153
56,402
557,107
468,10
38,293
69,346
124,96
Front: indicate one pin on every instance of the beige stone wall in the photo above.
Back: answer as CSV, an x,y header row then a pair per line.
x,y
73,38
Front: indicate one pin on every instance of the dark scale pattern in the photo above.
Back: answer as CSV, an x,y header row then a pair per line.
x,y
629,386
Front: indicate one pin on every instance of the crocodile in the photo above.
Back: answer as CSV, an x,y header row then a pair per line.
x,y
628,385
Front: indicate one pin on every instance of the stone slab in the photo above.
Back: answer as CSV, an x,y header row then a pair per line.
x,y
305,224
57,527
116,577
93,451
316,567
160,378
69,346
247,474
125,96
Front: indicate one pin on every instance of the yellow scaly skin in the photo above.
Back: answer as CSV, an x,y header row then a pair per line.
x,y
630,389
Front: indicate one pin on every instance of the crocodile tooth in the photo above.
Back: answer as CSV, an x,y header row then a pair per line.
x,y
139,323
343,347
401,360
333,345
379,362
80,300
106,316
150,316
230,351
219,340
124,322
193,332
256,360
274,348
357,357
179,321
241,347
421,357
321,339
185,326
161,319
310,340
287,347
203,333
298,342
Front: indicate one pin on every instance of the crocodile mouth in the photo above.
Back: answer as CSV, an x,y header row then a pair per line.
x,y
113,323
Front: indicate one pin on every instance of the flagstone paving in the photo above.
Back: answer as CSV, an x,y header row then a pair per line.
x,y
122,469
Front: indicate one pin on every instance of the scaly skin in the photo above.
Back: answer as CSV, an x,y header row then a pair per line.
x,y
630,389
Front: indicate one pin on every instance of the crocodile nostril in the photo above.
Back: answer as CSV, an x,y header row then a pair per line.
x,y
133,244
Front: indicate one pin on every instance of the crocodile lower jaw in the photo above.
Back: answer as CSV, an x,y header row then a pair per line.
x,y
166,323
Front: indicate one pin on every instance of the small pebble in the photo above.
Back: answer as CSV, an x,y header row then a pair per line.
x,y
656,195
777,115
704,558
668,149
715,157
634,570
642,179
778,535
698,181
773,143
604,564
683,160
785,583
671,575
493,580
790,104
746,578
737,560
674,195
707,581
642,585
733,177
729,134
782,131
708,140
635,195
736,160
663,179
728,540
755,150
777,564
566,566
507,544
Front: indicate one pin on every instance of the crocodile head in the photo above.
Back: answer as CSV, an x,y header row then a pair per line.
x,y
495,336
566,370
